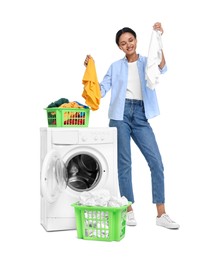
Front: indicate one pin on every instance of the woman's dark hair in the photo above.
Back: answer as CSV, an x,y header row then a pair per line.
x,y
124,30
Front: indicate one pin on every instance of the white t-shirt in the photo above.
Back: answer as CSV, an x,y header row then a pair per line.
x,y
133,90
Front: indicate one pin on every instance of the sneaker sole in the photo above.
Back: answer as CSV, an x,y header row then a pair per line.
x,y
131,225
177,227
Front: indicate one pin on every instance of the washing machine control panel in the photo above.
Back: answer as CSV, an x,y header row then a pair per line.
x,y
94,137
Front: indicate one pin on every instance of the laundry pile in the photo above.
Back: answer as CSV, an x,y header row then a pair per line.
x,y
64,102
101,198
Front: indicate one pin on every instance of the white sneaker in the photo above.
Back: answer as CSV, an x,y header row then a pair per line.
x,y
165,221
130,219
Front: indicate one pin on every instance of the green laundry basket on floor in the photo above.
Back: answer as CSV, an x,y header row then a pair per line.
x,y
100,223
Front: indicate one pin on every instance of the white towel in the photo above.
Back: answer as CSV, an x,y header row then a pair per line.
x,y
153,59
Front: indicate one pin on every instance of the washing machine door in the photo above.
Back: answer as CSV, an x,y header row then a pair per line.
x,y
53,176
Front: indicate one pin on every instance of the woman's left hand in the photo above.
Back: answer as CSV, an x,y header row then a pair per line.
x,y
157,26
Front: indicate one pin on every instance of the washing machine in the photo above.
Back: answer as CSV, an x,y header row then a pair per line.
x,y
73,160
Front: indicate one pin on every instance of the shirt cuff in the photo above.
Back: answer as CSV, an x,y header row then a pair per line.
x,y
164,69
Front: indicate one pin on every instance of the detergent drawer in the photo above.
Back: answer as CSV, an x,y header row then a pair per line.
x,y
65,137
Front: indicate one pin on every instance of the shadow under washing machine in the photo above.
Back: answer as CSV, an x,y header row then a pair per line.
x,y
74,160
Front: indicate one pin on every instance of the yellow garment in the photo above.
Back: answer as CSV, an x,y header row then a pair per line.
x,y
69,115
71,105
91,91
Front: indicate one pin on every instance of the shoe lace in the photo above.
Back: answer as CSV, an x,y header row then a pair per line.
x,y
131,216
168,218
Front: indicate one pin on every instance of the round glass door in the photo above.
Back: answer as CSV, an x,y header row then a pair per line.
x,y
53,176
84,172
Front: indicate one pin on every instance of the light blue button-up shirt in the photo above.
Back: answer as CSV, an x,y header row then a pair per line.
x,y
116,79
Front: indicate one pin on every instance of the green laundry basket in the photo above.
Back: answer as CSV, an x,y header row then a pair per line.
x,y
68,117
100,223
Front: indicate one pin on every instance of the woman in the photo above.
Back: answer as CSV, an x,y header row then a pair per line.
x,y
132,104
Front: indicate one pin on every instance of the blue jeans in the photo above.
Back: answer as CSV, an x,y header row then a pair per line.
x,y
135,125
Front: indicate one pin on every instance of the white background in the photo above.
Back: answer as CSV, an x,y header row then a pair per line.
x,y
42,48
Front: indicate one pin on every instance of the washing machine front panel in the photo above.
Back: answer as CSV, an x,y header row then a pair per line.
x,y
97,153
53,176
